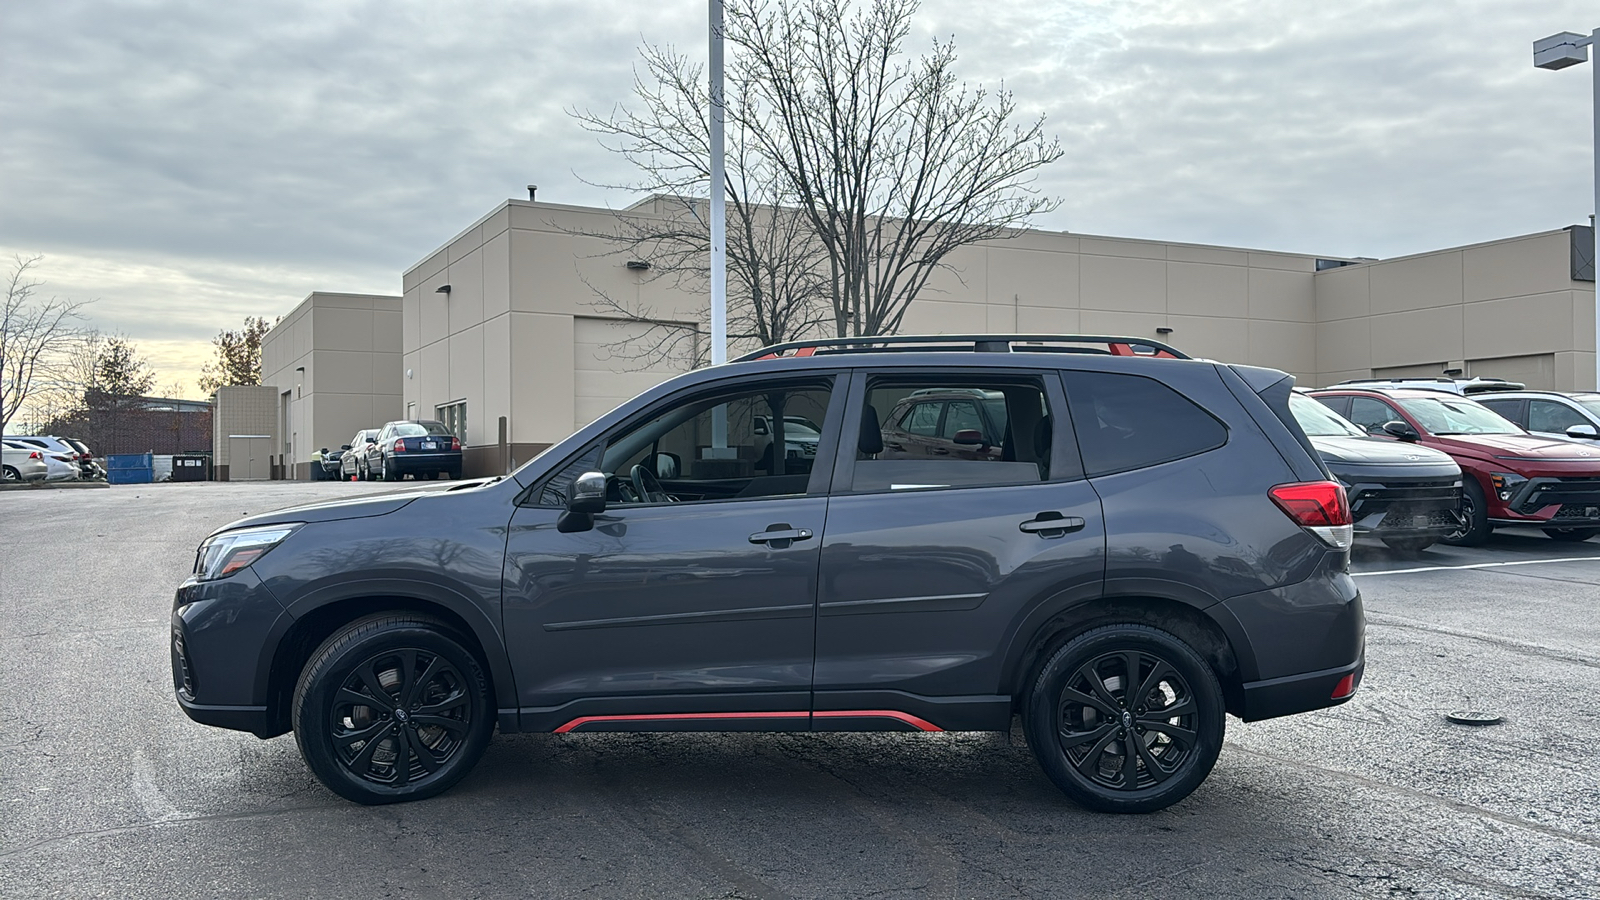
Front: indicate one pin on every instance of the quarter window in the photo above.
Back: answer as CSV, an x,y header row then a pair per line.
x,y
1127,422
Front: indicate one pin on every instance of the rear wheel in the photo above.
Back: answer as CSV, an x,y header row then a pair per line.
x,y
11,474
1475,515
1410,544
1125,718
386,473
391,708
1572,535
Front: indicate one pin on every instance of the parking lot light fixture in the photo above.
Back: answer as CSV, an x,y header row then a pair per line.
x,y
1559,51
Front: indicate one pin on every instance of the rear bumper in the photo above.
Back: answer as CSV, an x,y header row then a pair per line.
x,y
1299,693
407,463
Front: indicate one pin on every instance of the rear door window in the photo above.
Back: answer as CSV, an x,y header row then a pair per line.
x,y
970,430
1127,422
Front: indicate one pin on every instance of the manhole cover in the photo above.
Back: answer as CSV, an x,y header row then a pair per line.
x,y
1473,717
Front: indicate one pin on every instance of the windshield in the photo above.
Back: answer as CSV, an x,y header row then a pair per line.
x,y
1318,420
1449,415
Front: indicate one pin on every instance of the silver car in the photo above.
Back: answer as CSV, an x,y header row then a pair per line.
x,y
24,463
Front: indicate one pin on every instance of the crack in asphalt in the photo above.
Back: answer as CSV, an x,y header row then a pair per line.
x,y
158,823
1394,621
1460,806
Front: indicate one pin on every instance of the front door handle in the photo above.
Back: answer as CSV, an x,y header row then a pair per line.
x,y
1052,524
780,536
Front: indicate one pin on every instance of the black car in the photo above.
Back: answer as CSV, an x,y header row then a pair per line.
x,y
420,448
1159,547
1405,495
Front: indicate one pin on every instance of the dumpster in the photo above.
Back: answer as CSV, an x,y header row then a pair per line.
x,y
130,468
191,468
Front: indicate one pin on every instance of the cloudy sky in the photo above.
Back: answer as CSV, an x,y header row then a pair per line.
x,y
186,164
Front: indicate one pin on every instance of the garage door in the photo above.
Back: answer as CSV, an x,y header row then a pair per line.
x,y
617,360
1537,372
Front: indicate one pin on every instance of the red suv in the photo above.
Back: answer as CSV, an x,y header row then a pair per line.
x,y
1515,478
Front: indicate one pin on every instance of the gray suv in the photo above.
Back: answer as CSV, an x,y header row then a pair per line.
x,y
1154,544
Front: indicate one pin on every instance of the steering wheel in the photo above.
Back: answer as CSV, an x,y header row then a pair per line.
x,y
648,486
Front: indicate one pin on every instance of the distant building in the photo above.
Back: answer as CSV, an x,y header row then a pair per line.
x,y
160,425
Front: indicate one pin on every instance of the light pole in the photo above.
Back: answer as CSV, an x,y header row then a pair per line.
x,y
719,262
1557,52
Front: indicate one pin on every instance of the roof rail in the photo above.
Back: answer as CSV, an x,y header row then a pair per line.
x,y
971,343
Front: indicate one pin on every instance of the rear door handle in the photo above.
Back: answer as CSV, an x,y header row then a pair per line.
x,y
1052,524
780,536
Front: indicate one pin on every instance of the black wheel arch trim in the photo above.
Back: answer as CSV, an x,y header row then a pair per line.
x,y
483,631
1032,633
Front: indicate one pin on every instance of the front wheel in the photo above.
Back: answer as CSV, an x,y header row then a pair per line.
x,y
1572,535
1125,718
1475,528
391,708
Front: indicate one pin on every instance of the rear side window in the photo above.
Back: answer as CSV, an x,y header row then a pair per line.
x,y
1127,422
937,432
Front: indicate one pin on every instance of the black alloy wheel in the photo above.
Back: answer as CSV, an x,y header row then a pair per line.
x,y
1475,527
1126,718
1571,535
392,708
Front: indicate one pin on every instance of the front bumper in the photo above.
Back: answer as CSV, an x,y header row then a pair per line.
x,y
1557,502
1400,507
221,632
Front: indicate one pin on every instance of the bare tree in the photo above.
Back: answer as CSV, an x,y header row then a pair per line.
x,y
35,338
854,170
776,268
895,162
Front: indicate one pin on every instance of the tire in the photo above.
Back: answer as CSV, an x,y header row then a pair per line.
x,y
1475,509
11,474
1410,544
385,473
1078,698
366,472
1571,535
369,658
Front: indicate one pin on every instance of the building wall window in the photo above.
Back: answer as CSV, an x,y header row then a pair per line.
x,y
454,417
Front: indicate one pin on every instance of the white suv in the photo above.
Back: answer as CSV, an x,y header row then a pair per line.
x,y
1568,417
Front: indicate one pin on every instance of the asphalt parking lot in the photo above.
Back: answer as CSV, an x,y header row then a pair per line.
x,y
106,789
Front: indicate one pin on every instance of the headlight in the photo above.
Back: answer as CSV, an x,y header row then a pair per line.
x,y
224,554
1506,484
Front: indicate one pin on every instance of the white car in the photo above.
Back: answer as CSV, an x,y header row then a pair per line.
x,y
1567,417
56,450
24,463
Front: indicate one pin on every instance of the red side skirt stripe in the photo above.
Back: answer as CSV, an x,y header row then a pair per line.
x,y
907,718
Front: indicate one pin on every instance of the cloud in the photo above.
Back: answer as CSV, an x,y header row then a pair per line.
x,y
192,163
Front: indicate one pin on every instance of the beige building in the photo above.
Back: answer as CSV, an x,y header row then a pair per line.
x,y
244,433
505,319
333,364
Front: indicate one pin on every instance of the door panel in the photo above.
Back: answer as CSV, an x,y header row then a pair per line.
x,y
670,599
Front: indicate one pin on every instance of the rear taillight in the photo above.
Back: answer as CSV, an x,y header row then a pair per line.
x,y
36,455
399,446
455,443
1320,507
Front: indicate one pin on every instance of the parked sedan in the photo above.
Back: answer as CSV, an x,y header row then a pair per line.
x,y
419,448
59,465
353,464
24,463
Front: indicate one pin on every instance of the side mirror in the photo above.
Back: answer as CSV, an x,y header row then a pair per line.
x,y
585,497
970,437
668,465
344,446
760,426
1400,430
1583,431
